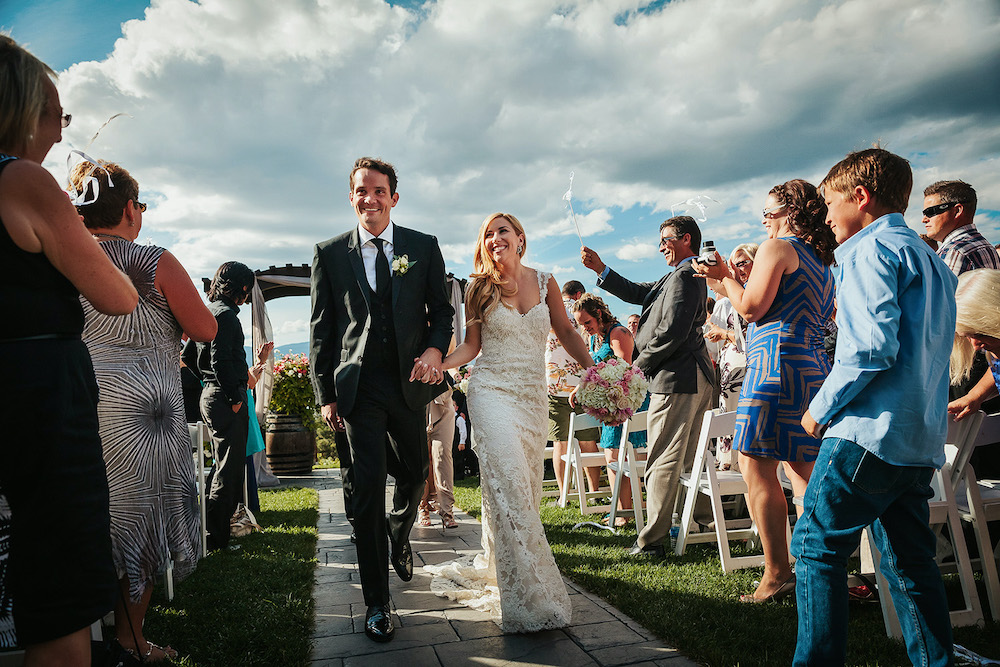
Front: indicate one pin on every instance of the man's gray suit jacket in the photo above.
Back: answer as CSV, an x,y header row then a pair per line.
x,y
670,345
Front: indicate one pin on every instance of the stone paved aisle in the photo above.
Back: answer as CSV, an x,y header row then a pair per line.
x,y
436,631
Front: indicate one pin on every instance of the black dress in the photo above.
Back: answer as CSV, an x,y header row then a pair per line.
x,y
58,575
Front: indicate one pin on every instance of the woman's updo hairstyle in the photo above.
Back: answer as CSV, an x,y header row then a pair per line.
x,y
105,207
807,216
233,280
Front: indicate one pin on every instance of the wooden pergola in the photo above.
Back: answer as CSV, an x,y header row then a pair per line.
x,y
273,289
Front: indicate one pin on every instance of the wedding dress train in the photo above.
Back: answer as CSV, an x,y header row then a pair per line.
x,y
515,578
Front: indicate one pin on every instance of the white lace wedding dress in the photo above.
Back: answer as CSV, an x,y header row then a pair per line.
x,y
515,578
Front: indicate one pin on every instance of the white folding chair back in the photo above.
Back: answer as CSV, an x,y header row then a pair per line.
x,y
198,433
705,479
200,436
630,466
576,460
943,512
978,504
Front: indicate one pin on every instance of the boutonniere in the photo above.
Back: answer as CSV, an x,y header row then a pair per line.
x,y
401,264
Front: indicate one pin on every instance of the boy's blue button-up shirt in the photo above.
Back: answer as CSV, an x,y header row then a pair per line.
x,y
888,389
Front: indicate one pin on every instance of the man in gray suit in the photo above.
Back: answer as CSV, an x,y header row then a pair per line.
x,y
671,352
378,303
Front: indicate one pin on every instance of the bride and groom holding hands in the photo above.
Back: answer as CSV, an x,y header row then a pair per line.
x,y
378,348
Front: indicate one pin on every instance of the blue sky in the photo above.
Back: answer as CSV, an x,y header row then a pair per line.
x,y
244,116
64,32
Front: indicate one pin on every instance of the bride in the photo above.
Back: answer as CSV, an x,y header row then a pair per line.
x,y
509,310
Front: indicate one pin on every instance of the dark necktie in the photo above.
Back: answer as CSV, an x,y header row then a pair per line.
x,y
381,268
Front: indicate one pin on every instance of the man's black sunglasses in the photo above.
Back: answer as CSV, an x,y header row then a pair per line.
x,y
931,211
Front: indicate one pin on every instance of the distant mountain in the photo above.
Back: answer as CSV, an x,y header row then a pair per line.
x,y
291,348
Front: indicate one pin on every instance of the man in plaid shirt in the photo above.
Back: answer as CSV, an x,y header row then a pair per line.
x,y
949,207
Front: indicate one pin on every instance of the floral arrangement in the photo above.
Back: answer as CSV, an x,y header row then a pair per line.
x,y
612,391
292,393
462,379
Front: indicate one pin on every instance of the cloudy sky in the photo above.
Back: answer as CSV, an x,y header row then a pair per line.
x,y
245,116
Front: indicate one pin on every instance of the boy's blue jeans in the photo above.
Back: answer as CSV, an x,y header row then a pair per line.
x,y
850,488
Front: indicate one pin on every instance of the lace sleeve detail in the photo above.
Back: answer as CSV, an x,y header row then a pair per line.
x,y
543,284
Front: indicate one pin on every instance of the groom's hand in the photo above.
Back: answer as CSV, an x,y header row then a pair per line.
x,y
330,416
427,367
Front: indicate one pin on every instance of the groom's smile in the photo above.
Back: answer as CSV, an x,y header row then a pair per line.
x,y
372,200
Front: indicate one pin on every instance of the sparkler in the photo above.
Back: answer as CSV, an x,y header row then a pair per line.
x,y
568,197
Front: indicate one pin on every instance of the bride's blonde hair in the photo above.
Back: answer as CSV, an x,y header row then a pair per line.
x,y
488,284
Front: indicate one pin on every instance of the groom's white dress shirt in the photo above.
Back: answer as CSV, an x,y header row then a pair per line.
x,y
369,248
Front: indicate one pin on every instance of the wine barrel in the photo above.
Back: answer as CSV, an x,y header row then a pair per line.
x,y
291,447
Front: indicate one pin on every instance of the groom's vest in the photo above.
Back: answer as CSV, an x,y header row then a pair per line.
x,y
381,352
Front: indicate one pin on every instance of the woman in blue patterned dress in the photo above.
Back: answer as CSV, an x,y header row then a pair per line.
x,y
609,338
787,299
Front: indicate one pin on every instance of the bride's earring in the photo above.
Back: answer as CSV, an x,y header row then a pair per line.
x,y
520,249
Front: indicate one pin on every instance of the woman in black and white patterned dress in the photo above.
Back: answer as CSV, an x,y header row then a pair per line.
x,y
154,506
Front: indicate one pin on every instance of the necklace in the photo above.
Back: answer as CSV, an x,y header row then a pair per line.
x,y
111,236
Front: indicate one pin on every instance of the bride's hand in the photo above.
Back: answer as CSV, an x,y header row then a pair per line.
x,y
423,372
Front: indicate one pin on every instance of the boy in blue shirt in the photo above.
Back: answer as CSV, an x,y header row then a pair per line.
x,y
882,413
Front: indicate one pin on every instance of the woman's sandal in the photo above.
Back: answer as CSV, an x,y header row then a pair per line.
x,y
425,517
166,653
784,590
620,522
449,521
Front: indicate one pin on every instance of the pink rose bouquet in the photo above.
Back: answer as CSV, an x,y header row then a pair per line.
x,y
612,391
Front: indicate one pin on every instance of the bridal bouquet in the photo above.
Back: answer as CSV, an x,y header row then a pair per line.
x,y
462,378
612,391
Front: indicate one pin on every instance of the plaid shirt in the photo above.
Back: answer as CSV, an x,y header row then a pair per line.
x,y
965,249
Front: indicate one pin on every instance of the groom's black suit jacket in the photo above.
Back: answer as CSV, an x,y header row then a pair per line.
x,y
341,297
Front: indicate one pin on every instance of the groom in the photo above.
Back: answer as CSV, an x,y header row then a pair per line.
x,y
370,323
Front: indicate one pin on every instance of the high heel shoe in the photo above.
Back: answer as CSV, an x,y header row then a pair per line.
x,y
449,521
784,590
424,517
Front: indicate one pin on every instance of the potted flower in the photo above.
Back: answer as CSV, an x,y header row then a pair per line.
x,y
291,420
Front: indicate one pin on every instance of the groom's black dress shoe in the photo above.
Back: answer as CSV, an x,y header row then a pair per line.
x,y
402,558
378,623
648,550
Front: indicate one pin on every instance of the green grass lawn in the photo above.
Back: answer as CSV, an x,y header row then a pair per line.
x,y
689,603
252,606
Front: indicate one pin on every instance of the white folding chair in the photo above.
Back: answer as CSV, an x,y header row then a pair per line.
x,y
704,479
576,460
200,436
978,504
198,433
631,466
943,512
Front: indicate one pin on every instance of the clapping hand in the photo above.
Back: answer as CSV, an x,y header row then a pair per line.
x,y
264,351
715,333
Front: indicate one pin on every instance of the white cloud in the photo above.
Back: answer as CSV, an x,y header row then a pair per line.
x,y
636,250
293,330
247,114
